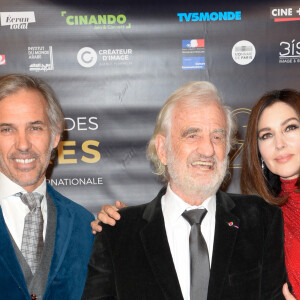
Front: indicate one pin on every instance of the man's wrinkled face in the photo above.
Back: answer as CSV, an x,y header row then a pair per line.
x,y
195,151
26,140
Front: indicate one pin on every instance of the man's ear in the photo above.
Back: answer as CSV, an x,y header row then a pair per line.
x,y
160,145
56,141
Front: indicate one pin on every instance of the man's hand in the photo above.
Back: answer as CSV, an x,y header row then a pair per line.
x,y
286,293
108,215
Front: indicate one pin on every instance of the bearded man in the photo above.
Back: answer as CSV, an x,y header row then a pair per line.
x,y
192,241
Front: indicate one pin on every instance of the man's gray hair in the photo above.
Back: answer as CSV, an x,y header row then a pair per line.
x,y
195,93
13,83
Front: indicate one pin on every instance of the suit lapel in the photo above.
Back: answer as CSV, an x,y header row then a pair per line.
x,y
225,236
155,242
63,233
8,257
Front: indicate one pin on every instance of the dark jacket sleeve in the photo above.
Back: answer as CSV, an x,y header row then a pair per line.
x,y
273,270
100,283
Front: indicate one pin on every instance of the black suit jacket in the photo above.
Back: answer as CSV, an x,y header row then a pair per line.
x,y
132,260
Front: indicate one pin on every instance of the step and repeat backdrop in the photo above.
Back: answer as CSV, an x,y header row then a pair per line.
x,y
113,64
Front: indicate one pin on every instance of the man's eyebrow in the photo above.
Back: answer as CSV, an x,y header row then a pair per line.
x,y
220,130
189,131
37,123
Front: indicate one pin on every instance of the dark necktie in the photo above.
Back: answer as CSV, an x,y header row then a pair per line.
x,y
32,240
200,268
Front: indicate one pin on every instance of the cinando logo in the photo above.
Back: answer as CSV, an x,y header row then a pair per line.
x,y
97,21
87,57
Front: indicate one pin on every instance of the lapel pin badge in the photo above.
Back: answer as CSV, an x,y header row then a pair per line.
x,y
231,224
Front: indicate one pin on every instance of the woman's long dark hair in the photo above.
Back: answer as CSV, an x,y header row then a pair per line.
x,y
254,178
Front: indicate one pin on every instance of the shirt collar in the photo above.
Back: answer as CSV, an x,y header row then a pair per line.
x,y
9,188
174,206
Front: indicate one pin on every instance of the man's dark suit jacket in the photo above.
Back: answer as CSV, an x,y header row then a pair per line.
x,y
132,260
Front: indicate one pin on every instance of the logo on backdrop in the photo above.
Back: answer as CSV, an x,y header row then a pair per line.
x,y
115,56
289,52
87,57
104,22
210,16
193,46
17,20
243,52
41,58
285,14
193,54
2,60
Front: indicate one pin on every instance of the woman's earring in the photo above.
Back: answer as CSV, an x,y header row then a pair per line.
x,y
262,164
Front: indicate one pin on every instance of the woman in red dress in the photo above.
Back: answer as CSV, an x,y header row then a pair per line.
x,y
271,167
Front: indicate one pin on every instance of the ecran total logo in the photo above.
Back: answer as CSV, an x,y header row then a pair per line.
x,y
17,20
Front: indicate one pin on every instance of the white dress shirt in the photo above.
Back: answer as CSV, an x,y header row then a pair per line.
x,y
14,210
178,232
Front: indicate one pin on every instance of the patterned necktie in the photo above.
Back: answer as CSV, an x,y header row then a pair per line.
x,y
32,240
199,258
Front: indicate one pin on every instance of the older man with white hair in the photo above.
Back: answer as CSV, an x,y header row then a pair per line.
x,y
192,241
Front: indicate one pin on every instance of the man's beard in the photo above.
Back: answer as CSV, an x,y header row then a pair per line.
x,y
201,187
